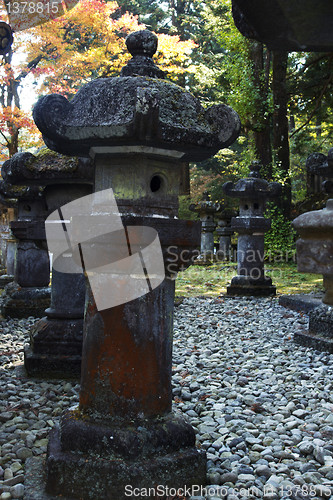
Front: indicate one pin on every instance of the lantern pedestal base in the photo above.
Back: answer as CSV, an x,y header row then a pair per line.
x,y
46,366
243,286
56,348
320,333
108,459
19,302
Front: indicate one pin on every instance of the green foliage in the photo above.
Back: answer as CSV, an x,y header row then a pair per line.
x,y
184,211
230,164
280,239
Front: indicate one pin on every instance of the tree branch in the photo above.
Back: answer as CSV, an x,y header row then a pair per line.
x,y
31,65
316,106
3,135
307,65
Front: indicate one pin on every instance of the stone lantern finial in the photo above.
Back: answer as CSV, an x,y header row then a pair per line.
x,y
142,45
255,169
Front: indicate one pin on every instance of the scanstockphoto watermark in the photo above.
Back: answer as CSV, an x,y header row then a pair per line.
x,y
122,263
181,260
166,492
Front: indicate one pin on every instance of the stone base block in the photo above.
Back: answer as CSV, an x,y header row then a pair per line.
x,y
303,302
318,342
55,349
34,481
60,366
94,461
19,302
243,286
320,333
57,336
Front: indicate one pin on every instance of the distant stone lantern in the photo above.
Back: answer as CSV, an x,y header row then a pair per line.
x,y
315,255
8,242
141,132
225,232
206,209
29,293
251,226
56,340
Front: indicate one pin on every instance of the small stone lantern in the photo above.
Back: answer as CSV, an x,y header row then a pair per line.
x,y
251,226
56,340
224,231
206,210
29,293
315,255
141,131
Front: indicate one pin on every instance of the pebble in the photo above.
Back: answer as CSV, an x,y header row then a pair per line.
x,y
17,491
275,397
261,405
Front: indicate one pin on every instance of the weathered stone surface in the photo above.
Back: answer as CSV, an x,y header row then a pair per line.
x,y
61,366
46,167
19,302
320,332
315,245
315,255
134,110
98,477
34,482
32,265
301,302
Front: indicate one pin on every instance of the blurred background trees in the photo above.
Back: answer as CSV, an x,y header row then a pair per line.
x,y
284,100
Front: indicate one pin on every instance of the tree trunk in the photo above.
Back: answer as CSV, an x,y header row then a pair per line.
x,y
281,126
261,127
13,142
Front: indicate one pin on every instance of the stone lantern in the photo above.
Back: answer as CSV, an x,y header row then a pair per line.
x,y
8,241
141,131
251,226
56,340
224,231
206,210
29,293
315,255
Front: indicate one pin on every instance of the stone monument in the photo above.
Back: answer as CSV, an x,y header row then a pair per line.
x,y
8,241
206,210
29,293
251,226
56,340
315,255
141,131
225,232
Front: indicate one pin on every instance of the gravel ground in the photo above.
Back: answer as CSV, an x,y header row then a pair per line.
x,y
261,405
